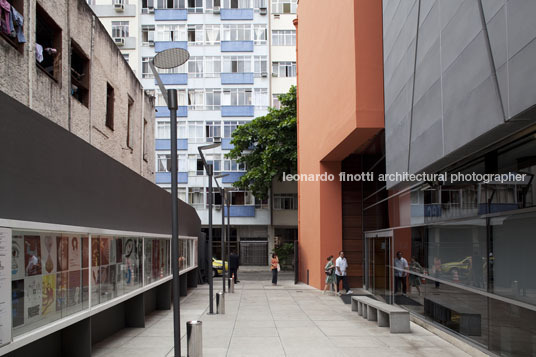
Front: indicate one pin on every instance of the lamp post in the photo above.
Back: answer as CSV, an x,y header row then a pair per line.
x,y
222,194
208,169
167,59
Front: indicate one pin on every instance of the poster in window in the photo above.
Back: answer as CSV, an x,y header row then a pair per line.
x,y
63,253
104,251
85,252
74,292
85,286
74,253
32,298
95,252
112,278
139,275
61,290
156,259
48,251
32,255
49,294
119,250
95,285
105,287
17,258
5,284
112,251
17,302
129,261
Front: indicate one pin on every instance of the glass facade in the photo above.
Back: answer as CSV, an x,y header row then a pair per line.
x,y
57,274
468,245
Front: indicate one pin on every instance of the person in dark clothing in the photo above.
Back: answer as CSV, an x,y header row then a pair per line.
x,y
233,265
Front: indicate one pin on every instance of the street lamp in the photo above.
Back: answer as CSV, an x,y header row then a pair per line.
x,y
222,194
208,169
167,59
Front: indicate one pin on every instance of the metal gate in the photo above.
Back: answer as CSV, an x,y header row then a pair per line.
x,y
254,253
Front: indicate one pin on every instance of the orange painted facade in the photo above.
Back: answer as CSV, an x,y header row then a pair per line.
x,y
340,108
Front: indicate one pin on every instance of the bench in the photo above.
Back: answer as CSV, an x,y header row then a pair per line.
x,y
394,317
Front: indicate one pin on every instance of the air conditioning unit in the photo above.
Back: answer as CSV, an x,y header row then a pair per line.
x,y
216,10
264,74
150,10
217,207
119,41
119,5
151,38
263,10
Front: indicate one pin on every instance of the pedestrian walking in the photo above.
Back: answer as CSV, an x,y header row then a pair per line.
x,y
329,269
274,266
234,263
401,267
341,265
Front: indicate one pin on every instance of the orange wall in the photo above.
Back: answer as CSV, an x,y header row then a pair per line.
x,y
340,108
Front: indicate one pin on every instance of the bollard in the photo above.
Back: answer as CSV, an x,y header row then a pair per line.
x,y
231,285
194,338
220,303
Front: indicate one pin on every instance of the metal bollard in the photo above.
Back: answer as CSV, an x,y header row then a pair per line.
x,y
220,303
231,285
194,338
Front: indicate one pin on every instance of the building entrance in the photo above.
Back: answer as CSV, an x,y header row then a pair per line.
x,y
378,264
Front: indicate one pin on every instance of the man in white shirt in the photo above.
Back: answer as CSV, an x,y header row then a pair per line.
x,y
340,272
401,268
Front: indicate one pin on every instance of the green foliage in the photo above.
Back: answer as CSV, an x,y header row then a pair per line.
x,y
268,147
285,253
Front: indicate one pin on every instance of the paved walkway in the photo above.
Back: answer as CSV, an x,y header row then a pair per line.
x,y
262,320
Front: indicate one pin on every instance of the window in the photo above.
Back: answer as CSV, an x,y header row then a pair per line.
x,y
232,165
181,98
212,66
145,140
47,44
171,4
195,67
259,34
242,198
260,66
120,29
146,5
284,6
287,201
196,196
109,106
163,162
261,98
163,130
17,41
236,4
237,32
195,6
260,4
212,34
212,130
237,96
230,126
215,161
171,33
211,4
275,101
181,130
284,69
212,99
79,74
195,99
129,122
284,37
147,34
195,35
195,132
237,64
145,69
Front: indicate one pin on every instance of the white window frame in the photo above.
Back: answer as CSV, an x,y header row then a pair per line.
x,y
120,29
237,32
212,34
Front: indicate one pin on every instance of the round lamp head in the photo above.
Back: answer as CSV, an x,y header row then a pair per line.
x,y
171,58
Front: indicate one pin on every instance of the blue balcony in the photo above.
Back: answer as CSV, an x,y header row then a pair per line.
x,y
232,176
160,46
174,78
241,211
163,112
165,177
236,14
237,46
237,111
165,144
226,144
170,14
237,78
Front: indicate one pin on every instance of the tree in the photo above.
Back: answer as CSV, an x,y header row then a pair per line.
x,y
268,147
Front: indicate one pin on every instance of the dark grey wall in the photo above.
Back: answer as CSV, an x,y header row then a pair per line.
x,y
454,70
50,175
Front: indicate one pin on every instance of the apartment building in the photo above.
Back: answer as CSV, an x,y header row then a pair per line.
x,y
242,55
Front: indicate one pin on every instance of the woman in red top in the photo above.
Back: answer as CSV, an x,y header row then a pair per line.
x,y
274,266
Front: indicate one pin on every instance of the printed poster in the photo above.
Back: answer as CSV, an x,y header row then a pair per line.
x,y
74,253
33,298
61,290
85,252
119,250
112,251
5,284
95,252
17,302
74,293
85,285
17,258
63,253
32,255
49,294
49,251
104,251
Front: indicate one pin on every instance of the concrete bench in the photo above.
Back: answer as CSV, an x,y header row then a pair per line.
x,y
394,317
